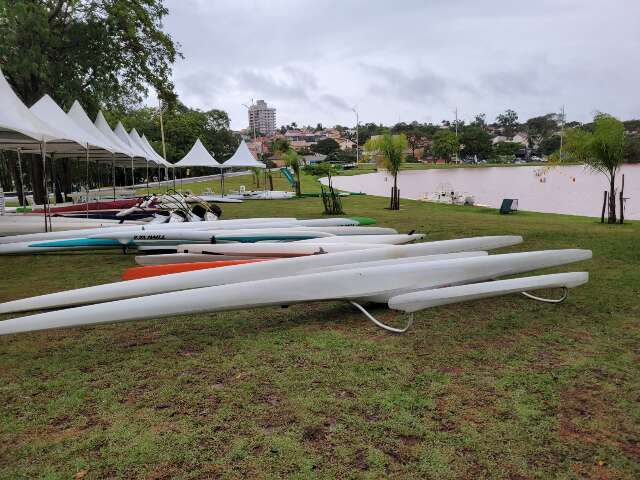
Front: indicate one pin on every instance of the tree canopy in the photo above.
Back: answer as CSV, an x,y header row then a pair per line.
x,y
508,122
445,144
326,146
100,52
476,141
601,150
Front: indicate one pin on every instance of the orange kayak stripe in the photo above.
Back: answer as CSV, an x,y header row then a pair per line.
x,y
134,273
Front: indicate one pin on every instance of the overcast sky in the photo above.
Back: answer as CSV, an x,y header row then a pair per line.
x,y
404,60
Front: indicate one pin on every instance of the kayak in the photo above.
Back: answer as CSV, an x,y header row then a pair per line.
x,y
160,238
91,206
271,249
376,284
134,273
415,301
389,239
243,223
254,271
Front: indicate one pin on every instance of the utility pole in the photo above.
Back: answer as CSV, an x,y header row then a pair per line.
x,y
561,130
456,113
164,148
357,135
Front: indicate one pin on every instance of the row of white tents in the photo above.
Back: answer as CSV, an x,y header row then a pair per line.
x,y
46,129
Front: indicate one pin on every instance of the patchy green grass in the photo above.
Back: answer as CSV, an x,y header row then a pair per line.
x,y
500,388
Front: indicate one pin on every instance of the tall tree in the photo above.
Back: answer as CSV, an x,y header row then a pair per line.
x,y
445,144
508,122
601,150
100,52
540,128
476,141
389,150
292,159
326,146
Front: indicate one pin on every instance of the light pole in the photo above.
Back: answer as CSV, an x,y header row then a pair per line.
x,y
357,135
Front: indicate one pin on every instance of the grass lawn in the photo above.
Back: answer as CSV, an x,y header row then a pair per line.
x,y
501,388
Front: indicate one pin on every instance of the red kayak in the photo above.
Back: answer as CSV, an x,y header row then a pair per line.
x,y
92,206
146,271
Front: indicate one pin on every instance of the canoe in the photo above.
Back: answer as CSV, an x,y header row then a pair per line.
x,y
134,273
271,249
377,284
160,238
243,223
415,301
255,271
99,205
397,239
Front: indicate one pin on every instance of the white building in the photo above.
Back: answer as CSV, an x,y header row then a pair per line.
x,y
262,118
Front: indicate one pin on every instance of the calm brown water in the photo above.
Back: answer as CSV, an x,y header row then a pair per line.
x,y
570,189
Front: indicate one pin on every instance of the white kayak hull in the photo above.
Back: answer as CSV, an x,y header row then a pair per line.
x,y
243,273
272,249
241,223
415,301
375,284
388,239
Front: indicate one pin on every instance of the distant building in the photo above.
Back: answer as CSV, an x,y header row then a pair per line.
x,y
262,118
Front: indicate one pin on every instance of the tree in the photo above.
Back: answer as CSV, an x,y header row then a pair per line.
x,y
549,145
389,151
508,122
326,146
292,159
506,148
540,128
445,144
100,52
279,146
601,150
416,139
476,141
480,120
632,150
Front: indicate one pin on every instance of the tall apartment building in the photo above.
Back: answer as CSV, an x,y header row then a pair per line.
x,y
262,118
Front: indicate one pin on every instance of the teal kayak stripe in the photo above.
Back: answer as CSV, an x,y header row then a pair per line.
x,y
78,242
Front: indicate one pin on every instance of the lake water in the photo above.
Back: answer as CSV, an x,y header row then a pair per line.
x,y
570,189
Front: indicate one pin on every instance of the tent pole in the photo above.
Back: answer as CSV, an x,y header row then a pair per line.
x,y
22,199
133,178
113,174
147,177
43,150
88,186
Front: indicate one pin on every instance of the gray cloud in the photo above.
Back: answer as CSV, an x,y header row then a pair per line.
x,y
416,59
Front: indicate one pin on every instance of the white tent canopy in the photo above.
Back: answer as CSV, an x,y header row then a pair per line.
x,y
102,125
18,125
80,117
50,113
156,155
243,158
198,157
124,137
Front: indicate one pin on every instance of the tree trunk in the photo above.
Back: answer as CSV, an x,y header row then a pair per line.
x,y
395,195
37,179
612,201
604,206
298,188
622,201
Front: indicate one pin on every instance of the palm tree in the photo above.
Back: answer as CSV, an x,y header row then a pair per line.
x,y
601,150
388,150
292,159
